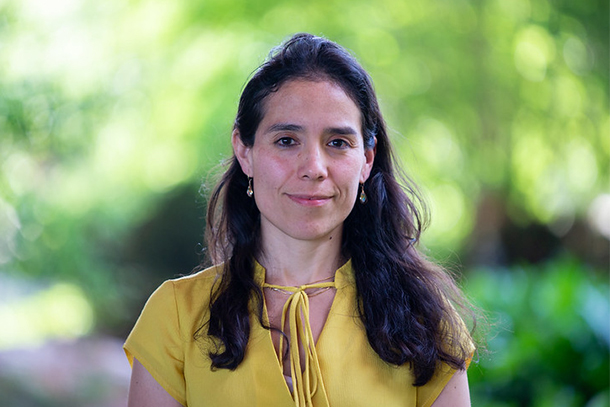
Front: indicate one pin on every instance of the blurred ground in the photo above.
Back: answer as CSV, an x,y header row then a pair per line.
x,y
85,372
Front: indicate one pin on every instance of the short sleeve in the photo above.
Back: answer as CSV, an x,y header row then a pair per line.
x,y
156,341
428,393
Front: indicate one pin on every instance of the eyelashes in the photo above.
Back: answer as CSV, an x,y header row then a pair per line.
x,y
285,141
339,143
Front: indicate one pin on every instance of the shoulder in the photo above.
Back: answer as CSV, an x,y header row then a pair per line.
x,y
183,296
191,290
200,279
162,338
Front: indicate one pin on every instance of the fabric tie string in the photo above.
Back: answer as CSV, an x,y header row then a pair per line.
x,y
307,379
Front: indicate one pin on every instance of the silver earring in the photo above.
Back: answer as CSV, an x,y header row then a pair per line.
x,y
362,198
250,191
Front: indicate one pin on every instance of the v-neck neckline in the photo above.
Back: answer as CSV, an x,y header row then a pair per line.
x,y
266,342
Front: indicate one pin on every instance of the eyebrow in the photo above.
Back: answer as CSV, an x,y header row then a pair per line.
x,y
284,127
344,131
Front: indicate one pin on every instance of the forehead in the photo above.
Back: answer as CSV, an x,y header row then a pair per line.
x,y
306,99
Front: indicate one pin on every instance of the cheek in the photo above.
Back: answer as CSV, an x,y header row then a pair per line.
x,y
271,171
355,172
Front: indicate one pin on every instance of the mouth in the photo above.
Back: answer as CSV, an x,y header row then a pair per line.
x,y
310,200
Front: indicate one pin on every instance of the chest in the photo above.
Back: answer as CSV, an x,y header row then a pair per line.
x,y
314,314
353,374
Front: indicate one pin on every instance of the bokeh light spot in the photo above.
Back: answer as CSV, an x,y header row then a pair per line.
x,y
61,311
534,51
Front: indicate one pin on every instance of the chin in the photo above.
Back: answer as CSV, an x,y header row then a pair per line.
x,y
314,234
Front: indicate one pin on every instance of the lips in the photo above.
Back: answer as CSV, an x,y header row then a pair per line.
x,y
310,200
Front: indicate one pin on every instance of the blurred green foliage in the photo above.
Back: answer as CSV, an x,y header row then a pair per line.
x,y
549,336
113,113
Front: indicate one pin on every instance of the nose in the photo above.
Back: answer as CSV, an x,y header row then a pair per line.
x,y
312,163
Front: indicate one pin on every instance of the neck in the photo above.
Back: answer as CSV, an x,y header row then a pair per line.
x,y
291,262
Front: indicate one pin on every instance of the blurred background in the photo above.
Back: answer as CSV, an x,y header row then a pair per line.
x,y
114,113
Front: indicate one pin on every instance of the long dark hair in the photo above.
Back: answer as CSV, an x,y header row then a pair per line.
x,y
406,303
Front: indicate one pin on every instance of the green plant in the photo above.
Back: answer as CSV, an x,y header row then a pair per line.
x,y
549,337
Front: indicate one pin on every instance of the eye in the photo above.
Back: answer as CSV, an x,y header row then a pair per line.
x,y
338,143
285,141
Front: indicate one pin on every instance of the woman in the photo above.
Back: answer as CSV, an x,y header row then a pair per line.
x,y
319,296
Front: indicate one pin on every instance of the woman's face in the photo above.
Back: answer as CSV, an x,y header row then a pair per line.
x,y
307,161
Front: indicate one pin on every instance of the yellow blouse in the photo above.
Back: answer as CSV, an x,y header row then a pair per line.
x,y
351,371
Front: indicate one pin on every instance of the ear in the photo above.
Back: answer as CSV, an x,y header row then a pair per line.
x,y
242,152
369,159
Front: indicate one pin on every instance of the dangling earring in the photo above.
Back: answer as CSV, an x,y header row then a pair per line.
x,y
362,198
250,191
